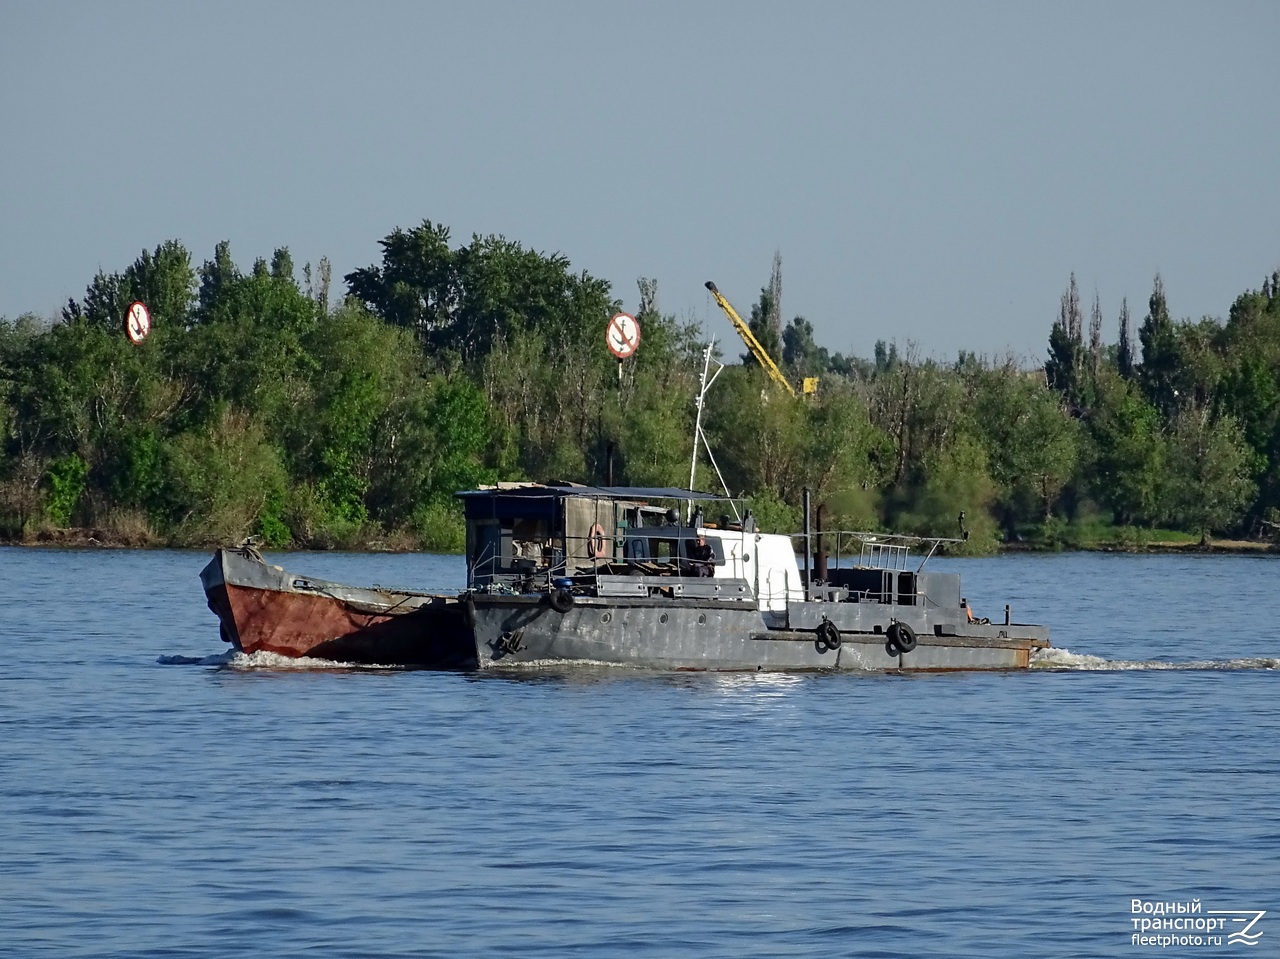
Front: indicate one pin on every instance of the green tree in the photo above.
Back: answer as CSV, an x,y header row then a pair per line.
x,y
1209,468
465,301
650,415
758,434
1159,373
800,354
417,285
1032,442
1066,366
845,454
223,481
163,280
1128,452
217,277
66,477
886,357
1250,387
1124,349
764,329
958,482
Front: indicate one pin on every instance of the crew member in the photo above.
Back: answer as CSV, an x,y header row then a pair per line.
x,y
702,555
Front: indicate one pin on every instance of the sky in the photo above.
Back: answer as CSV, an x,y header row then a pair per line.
x,y
931,173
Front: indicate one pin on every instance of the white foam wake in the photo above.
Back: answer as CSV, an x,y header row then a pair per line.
x,y
221,659
1055,658
1065,659
234,659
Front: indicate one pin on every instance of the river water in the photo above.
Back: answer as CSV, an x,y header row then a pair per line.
x,y
159,797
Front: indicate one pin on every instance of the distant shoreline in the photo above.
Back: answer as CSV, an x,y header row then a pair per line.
x,y
91,538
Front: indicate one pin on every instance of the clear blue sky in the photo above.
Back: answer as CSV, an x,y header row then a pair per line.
x,y
930,172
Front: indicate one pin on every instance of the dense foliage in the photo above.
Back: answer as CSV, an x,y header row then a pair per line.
x,y
256,407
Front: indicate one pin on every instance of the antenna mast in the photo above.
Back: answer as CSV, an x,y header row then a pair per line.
x,y
699,437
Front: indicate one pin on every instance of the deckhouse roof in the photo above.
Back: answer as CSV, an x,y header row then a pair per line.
x,y
591,492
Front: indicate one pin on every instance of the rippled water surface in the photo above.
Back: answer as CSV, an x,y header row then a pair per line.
x,y
159,798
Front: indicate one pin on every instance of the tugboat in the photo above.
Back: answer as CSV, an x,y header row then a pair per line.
x,y
621,576
640,577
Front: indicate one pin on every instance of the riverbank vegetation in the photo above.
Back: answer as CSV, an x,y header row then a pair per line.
x,y
266,404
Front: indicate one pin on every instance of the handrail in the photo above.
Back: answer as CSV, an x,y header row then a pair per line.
x,y
868,534
492,566
884,545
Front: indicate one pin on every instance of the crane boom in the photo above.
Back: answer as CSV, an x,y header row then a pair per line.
x,y
749,338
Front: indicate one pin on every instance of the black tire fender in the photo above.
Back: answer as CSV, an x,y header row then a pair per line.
x,y
903,637
828,635
561,600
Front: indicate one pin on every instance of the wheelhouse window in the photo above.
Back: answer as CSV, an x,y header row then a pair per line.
x,y
669,550
531,539
717,550
512,544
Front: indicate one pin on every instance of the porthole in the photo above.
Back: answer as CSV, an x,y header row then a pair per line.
x,y
606,617
662,618
702,619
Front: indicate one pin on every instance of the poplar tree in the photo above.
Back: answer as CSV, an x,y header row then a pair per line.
x,y
1065,365
1095,335
1124,353
1159,370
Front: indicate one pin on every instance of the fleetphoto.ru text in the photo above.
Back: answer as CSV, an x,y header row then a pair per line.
x,y
1164,924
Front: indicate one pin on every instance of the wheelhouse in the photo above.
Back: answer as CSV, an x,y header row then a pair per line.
x,y
523,536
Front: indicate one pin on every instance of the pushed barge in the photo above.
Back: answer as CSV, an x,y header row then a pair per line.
x,y
615,575
265,609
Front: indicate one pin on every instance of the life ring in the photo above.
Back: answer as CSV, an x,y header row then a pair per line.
x,y
595,541
828,635
561,600
903,637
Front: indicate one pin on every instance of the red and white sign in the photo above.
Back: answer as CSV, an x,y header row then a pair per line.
x,y
137,322
623,335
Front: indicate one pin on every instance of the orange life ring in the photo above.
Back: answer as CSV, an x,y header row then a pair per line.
x,y
595,541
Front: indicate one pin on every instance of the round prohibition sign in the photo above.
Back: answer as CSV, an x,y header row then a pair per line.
x,y
137,322
622,335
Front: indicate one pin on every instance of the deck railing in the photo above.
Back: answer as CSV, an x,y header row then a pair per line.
x,y
890,551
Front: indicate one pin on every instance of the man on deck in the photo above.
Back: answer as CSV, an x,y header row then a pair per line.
x,y
702,556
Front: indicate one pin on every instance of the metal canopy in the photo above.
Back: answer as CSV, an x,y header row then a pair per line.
x,y
597,492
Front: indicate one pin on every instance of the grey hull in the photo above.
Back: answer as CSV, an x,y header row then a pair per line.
x,y
731,635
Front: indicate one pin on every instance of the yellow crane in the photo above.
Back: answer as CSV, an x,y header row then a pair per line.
x,y
758,351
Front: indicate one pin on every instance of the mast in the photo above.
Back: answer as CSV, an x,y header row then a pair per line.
x,y
700,438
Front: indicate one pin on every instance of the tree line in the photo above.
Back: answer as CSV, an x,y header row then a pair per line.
x,y
263,405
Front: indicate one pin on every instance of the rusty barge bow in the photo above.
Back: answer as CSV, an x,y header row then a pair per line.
x,y
264,608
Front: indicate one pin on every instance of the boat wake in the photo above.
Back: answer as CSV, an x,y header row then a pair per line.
x,y
222,659
233,659
1066,661
1053,659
